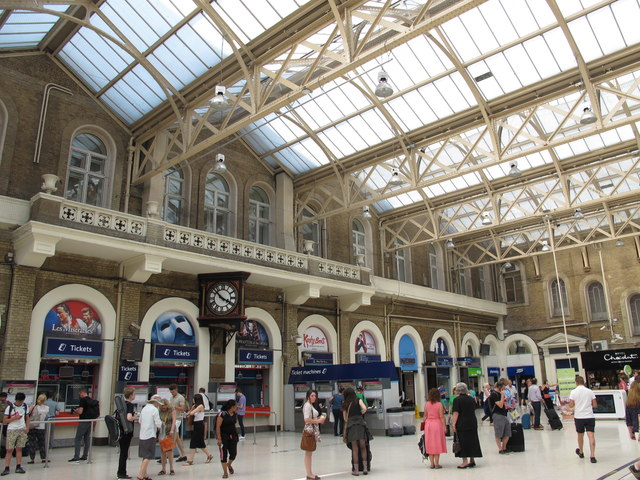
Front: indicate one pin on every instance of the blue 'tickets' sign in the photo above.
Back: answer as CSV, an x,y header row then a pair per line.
x,y
181,353
67,347
255,356
128,373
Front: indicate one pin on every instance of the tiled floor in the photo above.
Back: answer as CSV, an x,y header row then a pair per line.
x,y
549,455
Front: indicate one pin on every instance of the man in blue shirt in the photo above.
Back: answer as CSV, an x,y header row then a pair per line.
x,y
241,402
336,406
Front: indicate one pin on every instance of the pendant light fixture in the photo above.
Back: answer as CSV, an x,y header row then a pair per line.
x,y
395,180
383,89
365,212
220,166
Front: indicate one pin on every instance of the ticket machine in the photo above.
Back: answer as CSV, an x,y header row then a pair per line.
x,y
299,397
325,392
224,392
373,392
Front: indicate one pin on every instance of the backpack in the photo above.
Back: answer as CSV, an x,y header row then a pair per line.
x,y
93,408
121,415
114,429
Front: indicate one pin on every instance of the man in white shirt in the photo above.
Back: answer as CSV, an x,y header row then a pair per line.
x,y
149,424
535,397
583,401
16,418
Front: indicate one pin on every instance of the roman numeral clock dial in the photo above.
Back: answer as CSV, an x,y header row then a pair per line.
x,y
222,298
222,301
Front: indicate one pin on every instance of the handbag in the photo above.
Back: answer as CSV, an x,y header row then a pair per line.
x,y
308,442
167,444
456,447
189,419
422,425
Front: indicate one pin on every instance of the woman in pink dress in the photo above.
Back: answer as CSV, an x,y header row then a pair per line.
x,y
434,440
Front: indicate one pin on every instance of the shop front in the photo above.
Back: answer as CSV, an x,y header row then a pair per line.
x,y
444,364
253,362
470,372
408,368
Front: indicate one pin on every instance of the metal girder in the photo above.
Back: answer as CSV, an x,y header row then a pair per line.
x,y
329,64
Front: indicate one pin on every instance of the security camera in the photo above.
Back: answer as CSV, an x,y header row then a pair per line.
x,y
220,90
298,340
513,164
220,157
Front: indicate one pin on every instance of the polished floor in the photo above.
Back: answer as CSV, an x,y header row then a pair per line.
x,y
549,455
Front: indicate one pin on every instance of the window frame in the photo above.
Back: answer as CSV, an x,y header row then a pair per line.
x,y
634,313
317,229
258,220
556,310
168,196
106,176
212,210
596,315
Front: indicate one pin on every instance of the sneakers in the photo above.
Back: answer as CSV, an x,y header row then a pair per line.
x,y
5,472
579,453
19,469
83,458
74,460
182,459
124,477
241,437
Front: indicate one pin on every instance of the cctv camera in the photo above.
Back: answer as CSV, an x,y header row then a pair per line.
x,y
513,164
220,90
220,157
298,340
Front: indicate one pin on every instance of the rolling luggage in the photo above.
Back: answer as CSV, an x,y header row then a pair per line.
x,y
554,419
516,442
526,421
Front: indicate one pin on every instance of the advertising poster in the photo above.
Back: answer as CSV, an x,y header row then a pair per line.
x,y
173,328
566,383
252,335
72,318
365,343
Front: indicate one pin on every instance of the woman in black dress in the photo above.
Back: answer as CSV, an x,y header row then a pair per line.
x,y
465,426
227,436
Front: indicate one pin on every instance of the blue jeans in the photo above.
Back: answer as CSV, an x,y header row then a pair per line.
x,y
338,422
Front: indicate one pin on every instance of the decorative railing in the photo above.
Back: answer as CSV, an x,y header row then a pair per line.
x,y
103,218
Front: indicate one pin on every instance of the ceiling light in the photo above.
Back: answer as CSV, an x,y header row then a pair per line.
x,y
545,246
486,219
395,180
220,165
577,214
619,243
588,117
383,89
507,265
365,212
218,102
514,171
450,243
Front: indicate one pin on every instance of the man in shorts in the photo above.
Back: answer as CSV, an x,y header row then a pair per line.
x,y
501,424
179,404
16,418
583,401
149,425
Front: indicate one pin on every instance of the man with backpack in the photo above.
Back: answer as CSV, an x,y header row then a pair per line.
x,y
16,418
88,408
127,431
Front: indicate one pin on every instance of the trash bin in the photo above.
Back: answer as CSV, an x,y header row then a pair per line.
x,y
394,422
408,425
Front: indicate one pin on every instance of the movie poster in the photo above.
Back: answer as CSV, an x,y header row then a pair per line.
x,y
173,328
72,318
252,335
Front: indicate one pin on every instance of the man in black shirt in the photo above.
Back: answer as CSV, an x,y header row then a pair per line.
x,y
125,438
83,433
501,425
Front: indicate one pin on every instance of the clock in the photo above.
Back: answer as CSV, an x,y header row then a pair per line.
x,y
222,298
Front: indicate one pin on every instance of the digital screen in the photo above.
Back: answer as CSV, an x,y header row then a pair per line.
x,y
132,349
606,404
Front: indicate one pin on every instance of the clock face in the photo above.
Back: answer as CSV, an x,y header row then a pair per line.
x,y
222,298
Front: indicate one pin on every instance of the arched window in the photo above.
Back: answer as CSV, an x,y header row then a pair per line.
x,y
87,178
259,216
634,310
433,266
216,205
401,260
358,239
555,297
597,303
512,278
518,347
313,231
173,195
462,279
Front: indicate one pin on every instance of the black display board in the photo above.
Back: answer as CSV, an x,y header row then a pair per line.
x,y
611,359
132,349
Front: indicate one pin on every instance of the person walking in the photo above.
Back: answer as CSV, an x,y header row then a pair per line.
x,y
501,425
357,433
227,436
465,427
632,410
179,404
486,393
87,409
150,423
534,396
125,438
313,417
583,401
197,435
37,441
435,443
168,419
336,407
241,401
16,418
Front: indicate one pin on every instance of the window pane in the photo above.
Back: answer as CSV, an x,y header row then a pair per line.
x,y
252,230
75,187
77,159
94,191
97,165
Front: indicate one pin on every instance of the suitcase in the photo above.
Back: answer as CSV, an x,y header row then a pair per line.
x,y
526,421
554,419
516,442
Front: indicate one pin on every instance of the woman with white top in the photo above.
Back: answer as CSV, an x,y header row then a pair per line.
x,y
197,435
38,412
313,417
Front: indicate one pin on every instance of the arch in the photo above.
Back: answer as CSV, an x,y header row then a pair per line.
x,y
417,341
446,336
472,339
107,313
233,198
555,300
533,347
494,342
327,327
190,311
377,335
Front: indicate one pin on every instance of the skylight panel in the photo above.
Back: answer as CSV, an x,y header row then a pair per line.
x,y
498,23
585,39
402,111
541,56
521,17
26,29
372,121
605,28
460,39
412,64
524,69
438,104
345,139
142,23
475,24
627,16
503,73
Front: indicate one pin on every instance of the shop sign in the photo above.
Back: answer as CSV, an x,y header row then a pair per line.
x,y
469,361
316,358
493,371
365,343
68,347
351,371
611,359
474,372
261,357
519,371
128,373
408,364
407,354
314,340
176,353
368,358
444,361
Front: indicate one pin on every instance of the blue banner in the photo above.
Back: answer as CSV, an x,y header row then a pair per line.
x,y
517,371
407,354
317,358
181,353
128,373
68,347
347,371
493,371
444,361
469,361
255,356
